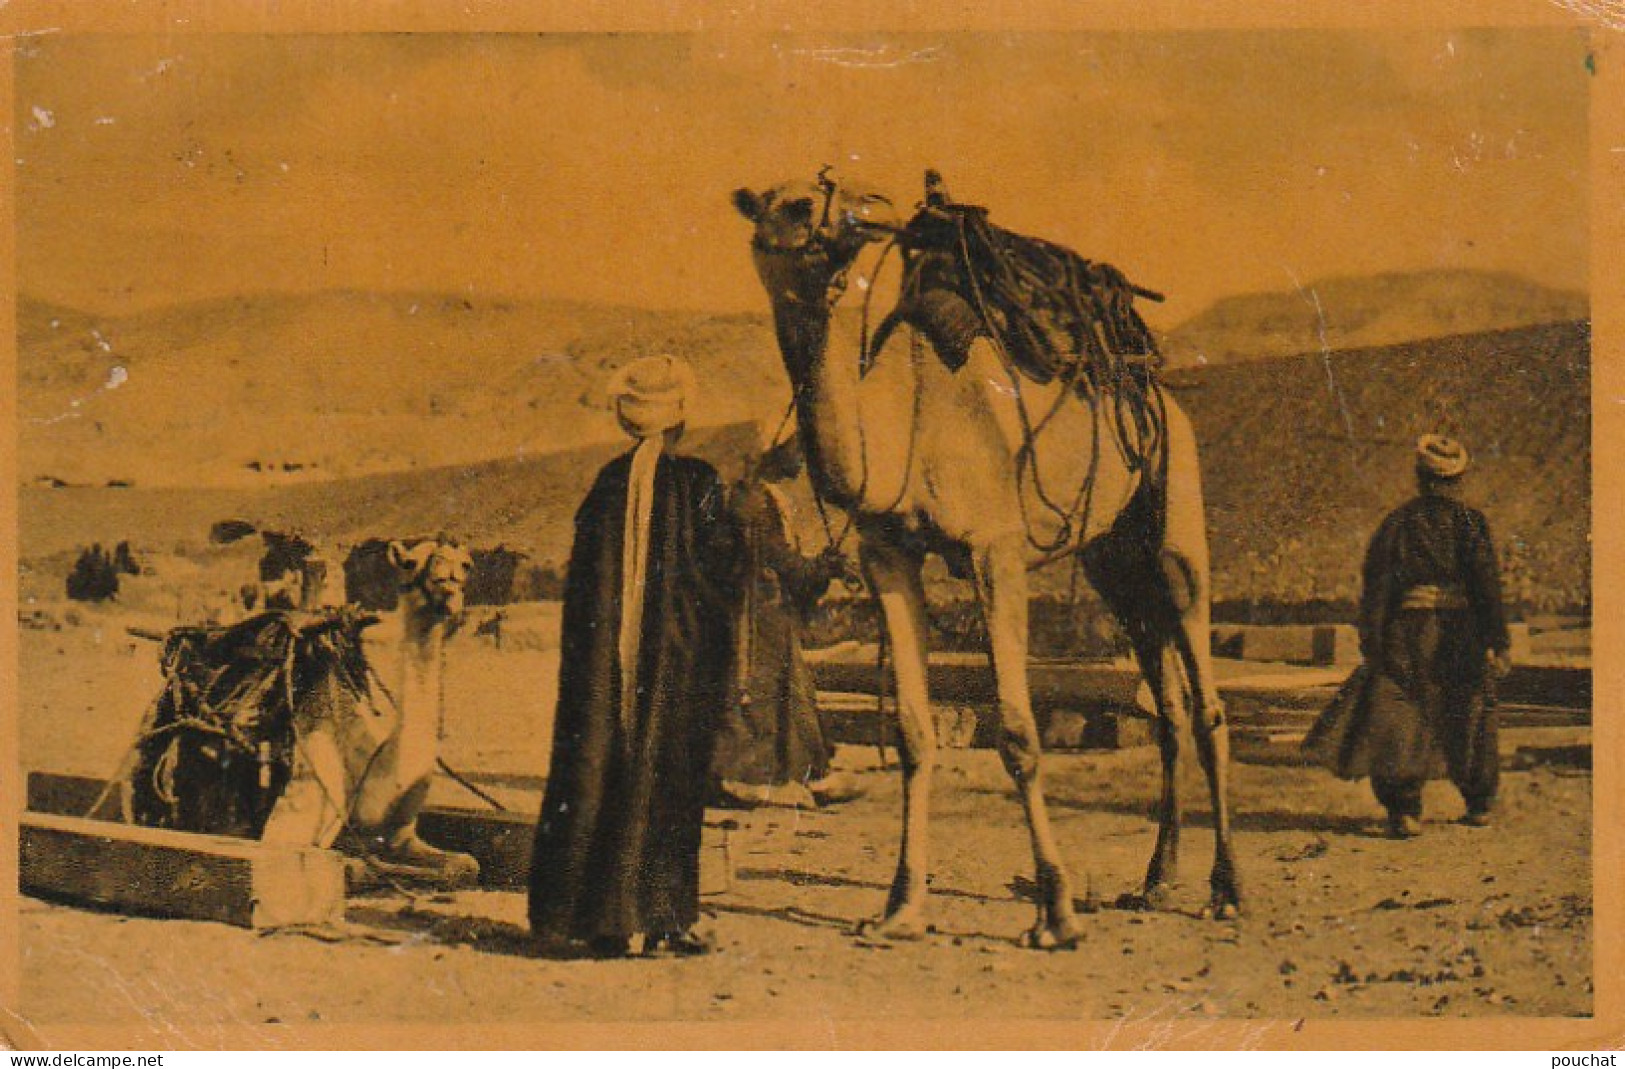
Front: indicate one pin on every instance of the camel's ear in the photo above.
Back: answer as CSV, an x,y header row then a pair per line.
x,y
751,205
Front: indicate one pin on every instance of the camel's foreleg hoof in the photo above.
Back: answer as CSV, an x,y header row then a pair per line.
x,y
895,928
1149,899
1062,936
360,878
1162,874
1056,927
418,860
460,870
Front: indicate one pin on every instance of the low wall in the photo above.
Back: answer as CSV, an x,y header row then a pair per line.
x,y
1099,705
1314,644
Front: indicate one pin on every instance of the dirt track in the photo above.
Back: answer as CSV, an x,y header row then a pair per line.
x,y
1338,921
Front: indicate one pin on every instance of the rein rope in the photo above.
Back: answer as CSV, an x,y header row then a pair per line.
x,y
440,762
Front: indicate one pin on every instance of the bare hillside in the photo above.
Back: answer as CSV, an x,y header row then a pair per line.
x,y
407,414
264,389
1302,456
1359,313
276,388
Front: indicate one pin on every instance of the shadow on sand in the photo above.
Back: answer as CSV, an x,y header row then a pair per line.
x,y
849,926
1241,820
483,934
803,878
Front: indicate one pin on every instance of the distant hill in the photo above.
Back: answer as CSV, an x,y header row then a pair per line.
x,y
265,389
1303,456
1373,310
282,388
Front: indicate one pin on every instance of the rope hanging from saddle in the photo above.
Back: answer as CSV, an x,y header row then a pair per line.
x,y
1051,315
1051,310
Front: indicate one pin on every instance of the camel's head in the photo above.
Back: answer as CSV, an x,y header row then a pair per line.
x,y
437,569
808,233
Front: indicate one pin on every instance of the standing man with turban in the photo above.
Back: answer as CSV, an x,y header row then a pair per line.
x,y
645,652
1434,636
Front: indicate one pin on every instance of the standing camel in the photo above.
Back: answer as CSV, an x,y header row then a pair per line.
x,y
958,453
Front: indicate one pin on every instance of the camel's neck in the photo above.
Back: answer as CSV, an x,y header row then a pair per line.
x,y
826,396
423,641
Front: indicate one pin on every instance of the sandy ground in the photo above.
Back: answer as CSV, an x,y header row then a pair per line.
x,y
1338,922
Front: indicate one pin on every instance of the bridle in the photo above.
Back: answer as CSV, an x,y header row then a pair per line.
x,y
419,581
819,244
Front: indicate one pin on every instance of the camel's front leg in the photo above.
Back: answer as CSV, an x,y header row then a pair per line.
x,y
310,811
894,575
390,787
1001,578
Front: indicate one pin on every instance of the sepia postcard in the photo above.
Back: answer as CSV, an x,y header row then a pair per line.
x,y
812,526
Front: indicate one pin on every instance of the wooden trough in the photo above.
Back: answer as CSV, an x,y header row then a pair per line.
x,y
178,874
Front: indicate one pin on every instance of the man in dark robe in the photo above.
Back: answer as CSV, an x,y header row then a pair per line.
x,y
1434,636
772,748
646,646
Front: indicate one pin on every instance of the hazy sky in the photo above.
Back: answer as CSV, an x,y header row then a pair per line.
x,y
158,169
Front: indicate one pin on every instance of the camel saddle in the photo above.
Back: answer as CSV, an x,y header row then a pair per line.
x,y
1053,313
217,746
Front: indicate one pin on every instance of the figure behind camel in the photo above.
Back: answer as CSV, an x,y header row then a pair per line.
x,y
956,453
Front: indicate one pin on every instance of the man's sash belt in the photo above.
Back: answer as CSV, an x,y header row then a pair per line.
x,y
1428,598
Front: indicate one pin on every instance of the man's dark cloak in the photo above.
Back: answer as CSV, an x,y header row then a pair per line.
x,y
617,844
1421,707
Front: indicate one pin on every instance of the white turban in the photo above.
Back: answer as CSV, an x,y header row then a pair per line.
x,y
651,395
1440,457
